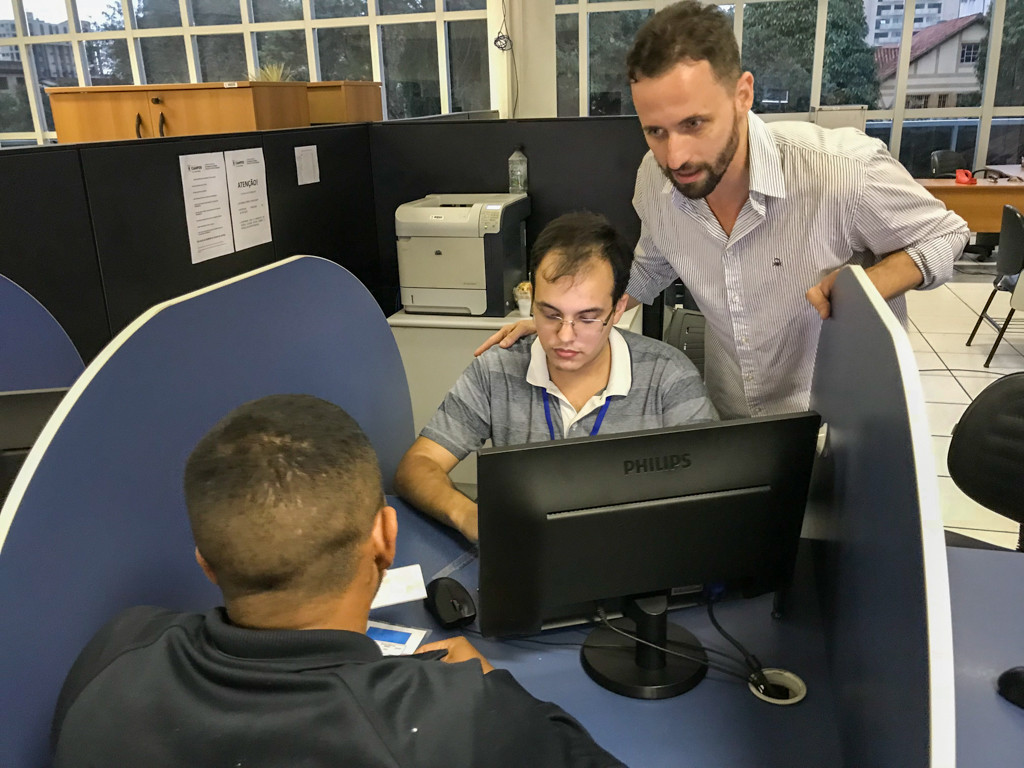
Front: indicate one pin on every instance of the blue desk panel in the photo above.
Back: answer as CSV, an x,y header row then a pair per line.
x,y
987,593
719,723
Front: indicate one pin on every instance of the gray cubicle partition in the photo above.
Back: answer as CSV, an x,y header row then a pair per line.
x,y
574,164
881,559
47,243
95,521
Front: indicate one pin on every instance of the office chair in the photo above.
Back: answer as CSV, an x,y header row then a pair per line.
x,y
986,452
1009,263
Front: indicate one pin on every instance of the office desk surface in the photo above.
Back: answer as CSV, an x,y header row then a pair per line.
x,y
981,204
719,723
987,591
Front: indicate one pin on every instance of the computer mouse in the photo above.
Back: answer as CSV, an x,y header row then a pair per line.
x,y
1011,686
450,603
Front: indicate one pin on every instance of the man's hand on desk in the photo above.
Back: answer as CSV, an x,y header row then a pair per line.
x,y
459,650
508,335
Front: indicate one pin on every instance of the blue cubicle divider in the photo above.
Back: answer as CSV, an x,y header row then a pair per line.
x,y
35,352
874,509
96,518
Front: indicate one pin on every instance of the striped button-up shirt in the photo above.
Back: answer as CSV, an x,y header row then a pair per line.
x,y
819,199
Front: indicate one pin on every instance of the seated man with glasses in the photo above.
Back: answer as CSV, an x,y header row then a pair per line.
x,y
579,376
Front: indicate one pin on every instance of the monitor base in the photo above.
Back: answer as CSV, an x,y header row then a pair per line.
x,y
611,661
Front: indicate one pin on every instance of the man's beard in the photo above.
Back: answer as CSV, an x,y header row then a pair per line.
x,y
696,190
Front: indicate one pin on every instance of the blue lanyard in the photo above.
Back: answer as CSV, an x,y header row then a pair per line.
x,y
597,423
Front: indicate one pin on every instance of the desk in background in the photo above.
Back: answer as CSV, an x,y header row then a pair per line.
x,y
981,204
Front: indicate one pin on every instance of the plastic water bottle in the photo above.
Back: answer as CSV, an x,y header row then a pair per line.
x,y
517,171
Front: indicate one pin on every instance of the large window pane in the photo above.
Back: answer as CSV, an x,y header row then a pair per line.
x,y
567,62
45,17
467,65
946,57
163,59
211,12
404,6
410,70
922,137
97,15
221,57
154,14
1006,141
345,53
282,55
108,62
852,55
276,10
335,9
1010,81
610,37
778,48
15,114
55,68
465,5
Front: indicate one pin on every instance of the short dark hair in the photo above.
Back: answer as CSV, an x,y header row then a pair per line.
x,y
577,238
280,493
686,31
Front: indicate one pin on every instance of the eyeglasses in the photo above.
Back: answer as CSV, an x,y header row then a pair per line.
x,y
581,326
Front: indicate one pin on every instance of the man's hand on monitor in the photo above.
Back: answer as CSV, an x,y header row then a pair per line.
x,y
459,650
508,335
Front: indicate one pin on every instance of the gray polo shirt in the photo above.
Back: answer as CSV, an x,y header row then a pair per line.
x,y
493,399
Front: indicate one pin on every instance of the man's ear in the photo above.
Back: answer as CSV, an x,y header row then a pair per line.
x,y
745,92
620,307
205,566
384,536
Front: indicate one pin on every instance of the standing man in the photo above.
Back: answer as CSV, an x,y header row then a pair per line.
x,y
756,218
580,376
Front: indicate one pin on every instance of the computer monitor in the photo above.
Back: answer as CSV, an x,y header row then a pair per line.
x,y
624,521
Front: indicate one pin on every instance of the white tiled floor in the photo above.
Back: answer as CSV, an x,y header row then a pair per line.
x,y
952,374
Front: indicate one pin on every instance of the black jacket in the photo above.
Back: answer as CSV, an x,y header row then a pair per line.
x,y
156,688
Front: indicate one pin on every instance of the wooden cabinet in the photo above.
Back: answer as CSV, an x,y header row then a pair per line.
x,y
108,112
344,101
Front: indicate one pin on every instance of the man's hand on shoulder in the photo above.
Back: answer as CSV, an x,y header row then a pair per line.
x,y
459,650
508,335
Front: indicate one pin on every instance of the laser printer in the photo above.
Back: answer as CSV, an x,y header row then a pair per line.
x,y
462,254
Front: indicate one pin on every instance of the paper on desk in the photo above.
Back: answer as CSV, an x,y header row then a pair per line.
x,y
247,190
207,212
393,639
307,166
400,585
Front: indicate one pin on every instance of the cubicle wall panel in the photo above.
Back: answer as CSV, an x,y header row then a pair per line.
x,y
138,212
47,240
574,164
334,217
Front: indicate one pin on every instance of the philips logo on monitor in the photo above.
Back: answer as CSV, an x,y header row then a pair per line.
x,y
667,463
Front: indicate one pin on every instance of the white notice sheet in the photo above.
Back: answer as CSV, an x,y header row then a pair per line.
x,y
206,205
307,166
247,189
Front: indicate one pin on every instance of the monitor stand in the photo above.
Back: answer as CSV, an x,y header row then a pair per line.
x,y
639,671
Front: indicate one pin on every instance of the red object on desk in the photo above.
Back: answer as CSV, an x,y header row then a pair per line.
x,y
963,176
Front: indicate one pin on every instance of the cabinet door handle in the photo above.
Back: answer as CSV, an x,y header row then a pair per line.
x,y
138,126
163,122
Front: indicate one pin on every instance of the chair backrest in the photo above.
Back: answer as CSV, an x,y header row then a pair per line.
x,y
986,452
35,352
946,161
1010,256
96,516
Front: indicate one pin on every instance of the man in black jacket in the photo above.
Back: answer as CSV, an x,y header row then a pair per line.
x,y
285,502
